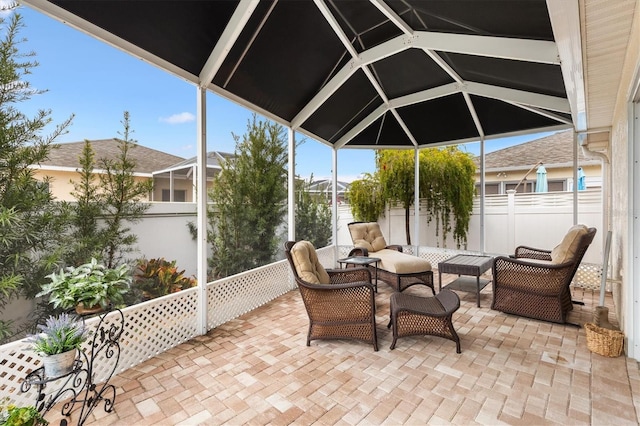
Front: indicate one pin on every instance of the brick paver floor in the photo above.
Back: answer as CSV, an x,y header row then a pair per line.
x,y
257,370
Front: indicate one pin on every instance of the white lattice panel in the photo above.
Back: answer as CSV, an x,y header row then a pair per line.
x,y
150,329
158,325
233,296
589,276
17,362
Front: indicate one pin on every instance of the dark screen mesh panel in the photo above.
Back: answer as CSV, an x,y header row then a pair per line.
x,y
409,71
384,131
497,117
439,120
288,61
350,104
529,76
527,19
363,23
143,23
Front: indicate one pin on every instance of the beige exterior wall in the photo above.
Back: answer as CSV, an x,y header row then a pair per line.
x,y
60,184
61,187
620,265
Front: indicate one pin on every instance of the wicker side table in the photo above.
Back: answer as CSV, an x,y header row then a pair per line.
x,y
465,264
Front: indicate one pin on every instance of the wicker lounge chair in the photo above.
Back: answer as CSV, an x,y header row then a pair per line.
x,y
535,283
340,303
399,270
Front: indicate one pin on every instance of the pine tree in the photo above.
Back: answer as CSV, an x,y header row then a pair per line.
x,y
249,198
31,224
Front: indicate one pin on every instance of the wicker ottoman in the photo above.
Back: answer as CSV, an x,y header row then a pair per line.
x,y
416,316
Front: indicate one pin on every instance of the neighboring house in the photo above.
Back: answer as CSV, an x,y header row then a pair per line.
x,y
173,177
63,164
182,176
518,164
325,186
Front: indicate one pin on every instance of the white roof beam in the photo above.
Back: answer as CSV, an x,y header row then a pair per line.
x,y
474,115
377,53
366,122
544,113
336,27
229,36
552,103
425,95
393,16
497,47
565,22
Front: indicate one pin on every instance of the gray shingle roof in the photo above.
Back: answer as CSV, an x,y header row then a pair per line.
x,y
147,159
552,150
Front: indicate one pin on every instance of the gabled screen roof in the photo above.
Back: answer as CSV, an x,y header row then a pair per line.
x,y
356,73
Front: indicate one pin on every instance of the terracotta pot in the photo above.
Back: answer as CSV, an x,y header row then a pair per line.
x,y
59,364
82,310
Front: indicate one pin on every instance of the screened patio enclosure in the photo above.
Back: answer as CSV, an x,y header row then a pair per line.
x,y
359,74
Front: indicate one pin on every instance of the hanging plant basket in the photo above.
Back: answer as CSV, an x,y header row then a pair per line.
x,y
59,364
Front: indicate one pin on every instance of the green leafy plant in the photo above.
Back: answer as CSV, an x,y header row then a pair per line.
x,y
12,415
58,335
159,277
90,284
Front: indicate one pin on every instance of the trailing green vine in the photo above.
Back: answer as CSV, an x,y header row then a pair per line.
x,y
447,185
365,198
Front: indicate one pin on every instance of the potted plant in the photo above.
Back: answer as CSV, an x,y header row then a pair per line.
x,y
12,415
159,277
89,288
58,341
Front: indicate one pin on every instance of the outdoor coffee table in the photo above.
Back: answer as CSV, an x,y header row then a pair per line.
x,y
465,264
363,261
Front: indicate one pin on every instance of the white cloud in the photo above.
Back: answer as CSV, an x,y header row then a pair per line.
x,y
183,117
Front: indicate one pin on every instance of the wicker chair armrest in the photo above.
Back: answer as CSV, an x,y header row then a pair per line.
x,y
349,275
337,287
395,247
359,251
532,253
531,276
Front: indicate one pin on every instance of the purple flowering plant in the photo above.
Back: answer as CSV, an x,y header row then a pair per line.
x,y
59,334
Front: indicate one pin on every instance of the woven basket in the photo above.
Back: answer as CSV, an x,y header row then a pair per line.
x,y
604,341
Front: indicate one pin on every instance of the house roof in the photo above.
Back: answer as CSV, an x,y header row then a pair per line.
x,y
555,150
374,74
147,160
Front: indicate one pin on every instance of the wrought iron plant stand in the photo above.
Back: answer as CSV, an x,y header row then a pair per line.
x,y
80,384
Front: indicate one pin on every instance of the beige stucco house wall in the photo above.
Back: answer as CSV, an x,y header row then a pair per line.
x,y
623,145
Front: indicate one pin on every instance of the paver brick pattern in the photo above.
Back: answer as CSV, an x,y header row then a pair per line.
x,y
257,370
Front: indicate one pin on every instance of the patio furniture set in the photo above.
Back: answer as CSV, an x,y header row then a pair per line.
x,y
340,303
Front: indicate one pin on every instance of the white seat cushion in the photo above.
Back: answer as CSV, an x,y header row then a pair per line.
x,y
401,263
367,235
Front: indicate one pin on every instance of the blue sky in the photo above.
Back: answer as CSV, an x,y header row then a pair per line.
x,y
97,83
